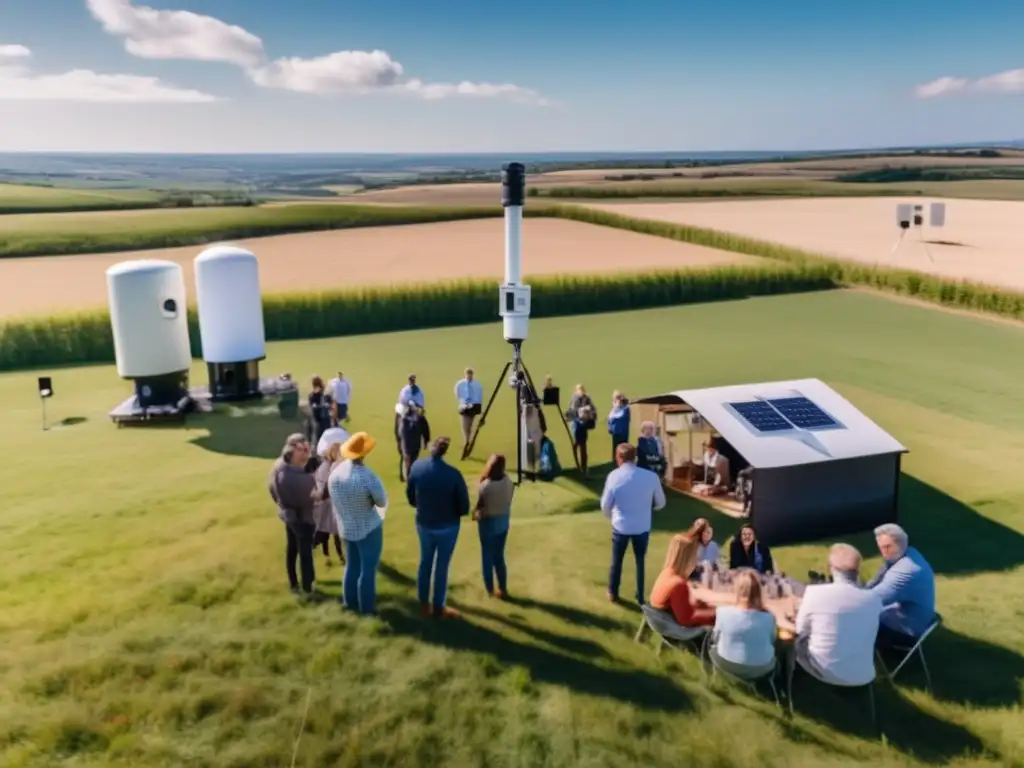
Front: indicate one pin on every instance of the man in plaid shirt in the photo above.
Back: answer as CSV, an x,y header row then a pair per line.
x,y
357,494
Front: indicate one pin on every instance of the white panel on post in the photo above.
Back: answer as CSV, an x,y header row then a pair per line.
x,y
904,215
937,215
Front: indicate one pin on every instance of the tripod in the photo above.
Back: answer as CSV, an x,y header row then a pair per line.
x,y
526,394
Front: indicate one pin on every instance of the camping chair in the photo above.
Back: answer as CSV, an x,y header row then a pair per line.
x,y
917,649
748,682
668,631
791,669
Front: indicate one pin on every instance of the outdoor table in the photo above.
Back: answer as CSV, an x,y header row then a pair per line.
x,y
718,591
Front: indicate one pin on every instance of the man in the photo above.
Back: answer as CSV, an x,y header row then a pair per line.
x,y
837,624
291,488
341,392
413,436
411,393
470,396
439,495
905,585
630,495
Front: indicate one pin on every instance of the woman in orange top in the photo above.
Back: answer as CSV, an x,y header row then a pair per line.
x,y
672,589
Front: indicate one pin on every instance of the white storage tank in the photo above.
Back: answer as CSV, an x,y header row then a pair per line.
x,y
150,325
230,320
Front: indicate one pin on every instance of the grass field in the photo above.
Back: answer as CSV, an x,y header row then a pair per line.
x,y
25,197
146,622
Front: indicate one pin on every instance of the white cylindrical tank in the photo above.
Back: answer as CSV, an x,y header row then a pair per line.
x,y
148,318
230,305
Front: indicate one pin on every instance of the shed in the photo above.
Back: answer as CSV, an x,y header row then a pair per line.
x,y
819,467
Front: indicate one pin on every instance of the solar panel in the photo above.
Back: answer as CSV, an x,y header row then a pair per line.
x,y
802,413
761,416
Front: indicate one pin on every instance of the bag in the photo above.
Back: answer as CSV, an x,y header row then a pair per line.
x,y
587,416
470,409
549,467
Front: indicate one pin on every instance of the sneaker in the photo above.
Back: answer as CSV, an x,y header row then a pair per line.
x,y
499,594
426,611
613,598
447,613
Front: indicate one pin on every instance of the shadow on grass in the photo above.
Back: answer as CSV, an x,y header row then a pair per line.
x,y
632,686
256,431
72,421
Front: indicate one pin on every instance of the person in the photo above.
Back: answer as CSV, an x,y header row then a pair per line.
x,y
413,436
359,498
905,585
715,469
707,549
747,552
470,396
618,421
837,623
291,488
493,512
671,590
629,497
323,512
319,410
438,493
582,415
743,640
411,393
649,452
341,394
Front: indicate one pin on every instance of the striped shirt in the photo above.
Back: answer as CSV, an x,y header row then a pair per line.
x,y
356,492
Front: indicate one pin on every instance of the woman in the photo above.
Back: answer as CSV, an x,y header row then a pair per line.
x,y
413,436
649,453
583,415
714,469
358,497
702,532
672,591
493,511
291,488
743,640
319,410
323,512
747,552
618,421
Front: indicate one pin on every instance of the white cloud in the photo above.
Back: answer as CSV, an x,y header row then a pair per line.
x,y
1010,81
183,35
18,83
152,34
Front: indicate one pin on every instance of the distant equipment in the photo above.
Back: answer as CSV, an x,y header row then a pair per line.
x,y
912,215
230,321
45,392
150,327
938,215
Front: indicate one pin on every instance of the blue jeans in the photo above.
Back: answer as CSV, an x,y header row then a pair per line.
x,y
492,555
359,585
439,544
620,542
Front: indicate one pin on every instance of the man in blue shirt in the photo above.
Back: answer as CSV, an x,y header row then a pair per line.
x,y
470,395
906,584
438,493
630,495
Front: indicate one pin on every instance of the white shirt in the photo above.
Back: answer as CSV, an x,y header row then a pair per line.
x,y
840,622
630,495
406,396
469,392
341,390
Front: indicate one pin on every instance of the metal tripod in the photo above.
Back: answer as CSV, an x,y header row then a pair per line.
x,y
526,394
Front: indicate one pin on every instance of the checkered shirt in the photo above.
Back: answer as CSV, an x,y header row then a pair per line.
x,y
355,493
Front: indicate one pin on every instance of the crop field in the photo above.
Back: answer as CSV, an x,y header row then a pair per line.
x,y
21,197
369,256
146,619
982,241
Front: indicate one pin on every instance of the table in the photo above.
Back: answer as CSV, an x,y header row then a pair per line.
x,y
784,608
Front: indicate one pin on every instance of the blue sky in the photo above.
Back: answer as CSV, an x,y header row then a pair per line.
x,y
561,75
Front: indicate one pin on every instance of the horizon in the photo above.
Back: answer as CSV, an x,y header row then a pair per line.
x,y
237,77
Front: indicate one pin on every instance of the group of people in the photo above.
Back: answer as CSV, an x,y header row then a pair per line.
x,y
307,488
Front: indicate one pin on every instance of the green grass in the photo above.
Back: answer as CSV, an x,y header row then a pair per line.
x,y
145,620
98,232
745,188
29,198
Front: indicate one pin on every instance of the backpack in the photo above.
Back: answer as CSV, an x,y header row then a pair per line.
x,y
549,466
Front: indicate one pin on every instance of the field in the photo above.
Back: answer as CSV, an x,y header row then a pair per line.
x,y
368,256
146,621
19,197
981,241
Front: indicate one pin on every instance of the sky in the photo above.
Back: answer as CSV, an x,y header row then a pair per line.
x,y
484,76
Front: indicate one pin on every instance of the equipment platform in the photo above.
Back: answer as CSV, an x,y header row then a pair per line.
x,y
130,413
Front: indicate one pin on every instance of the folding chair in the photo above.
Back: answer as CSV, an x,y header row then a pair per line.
x,y
748,682
791,669
909,652
669,633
